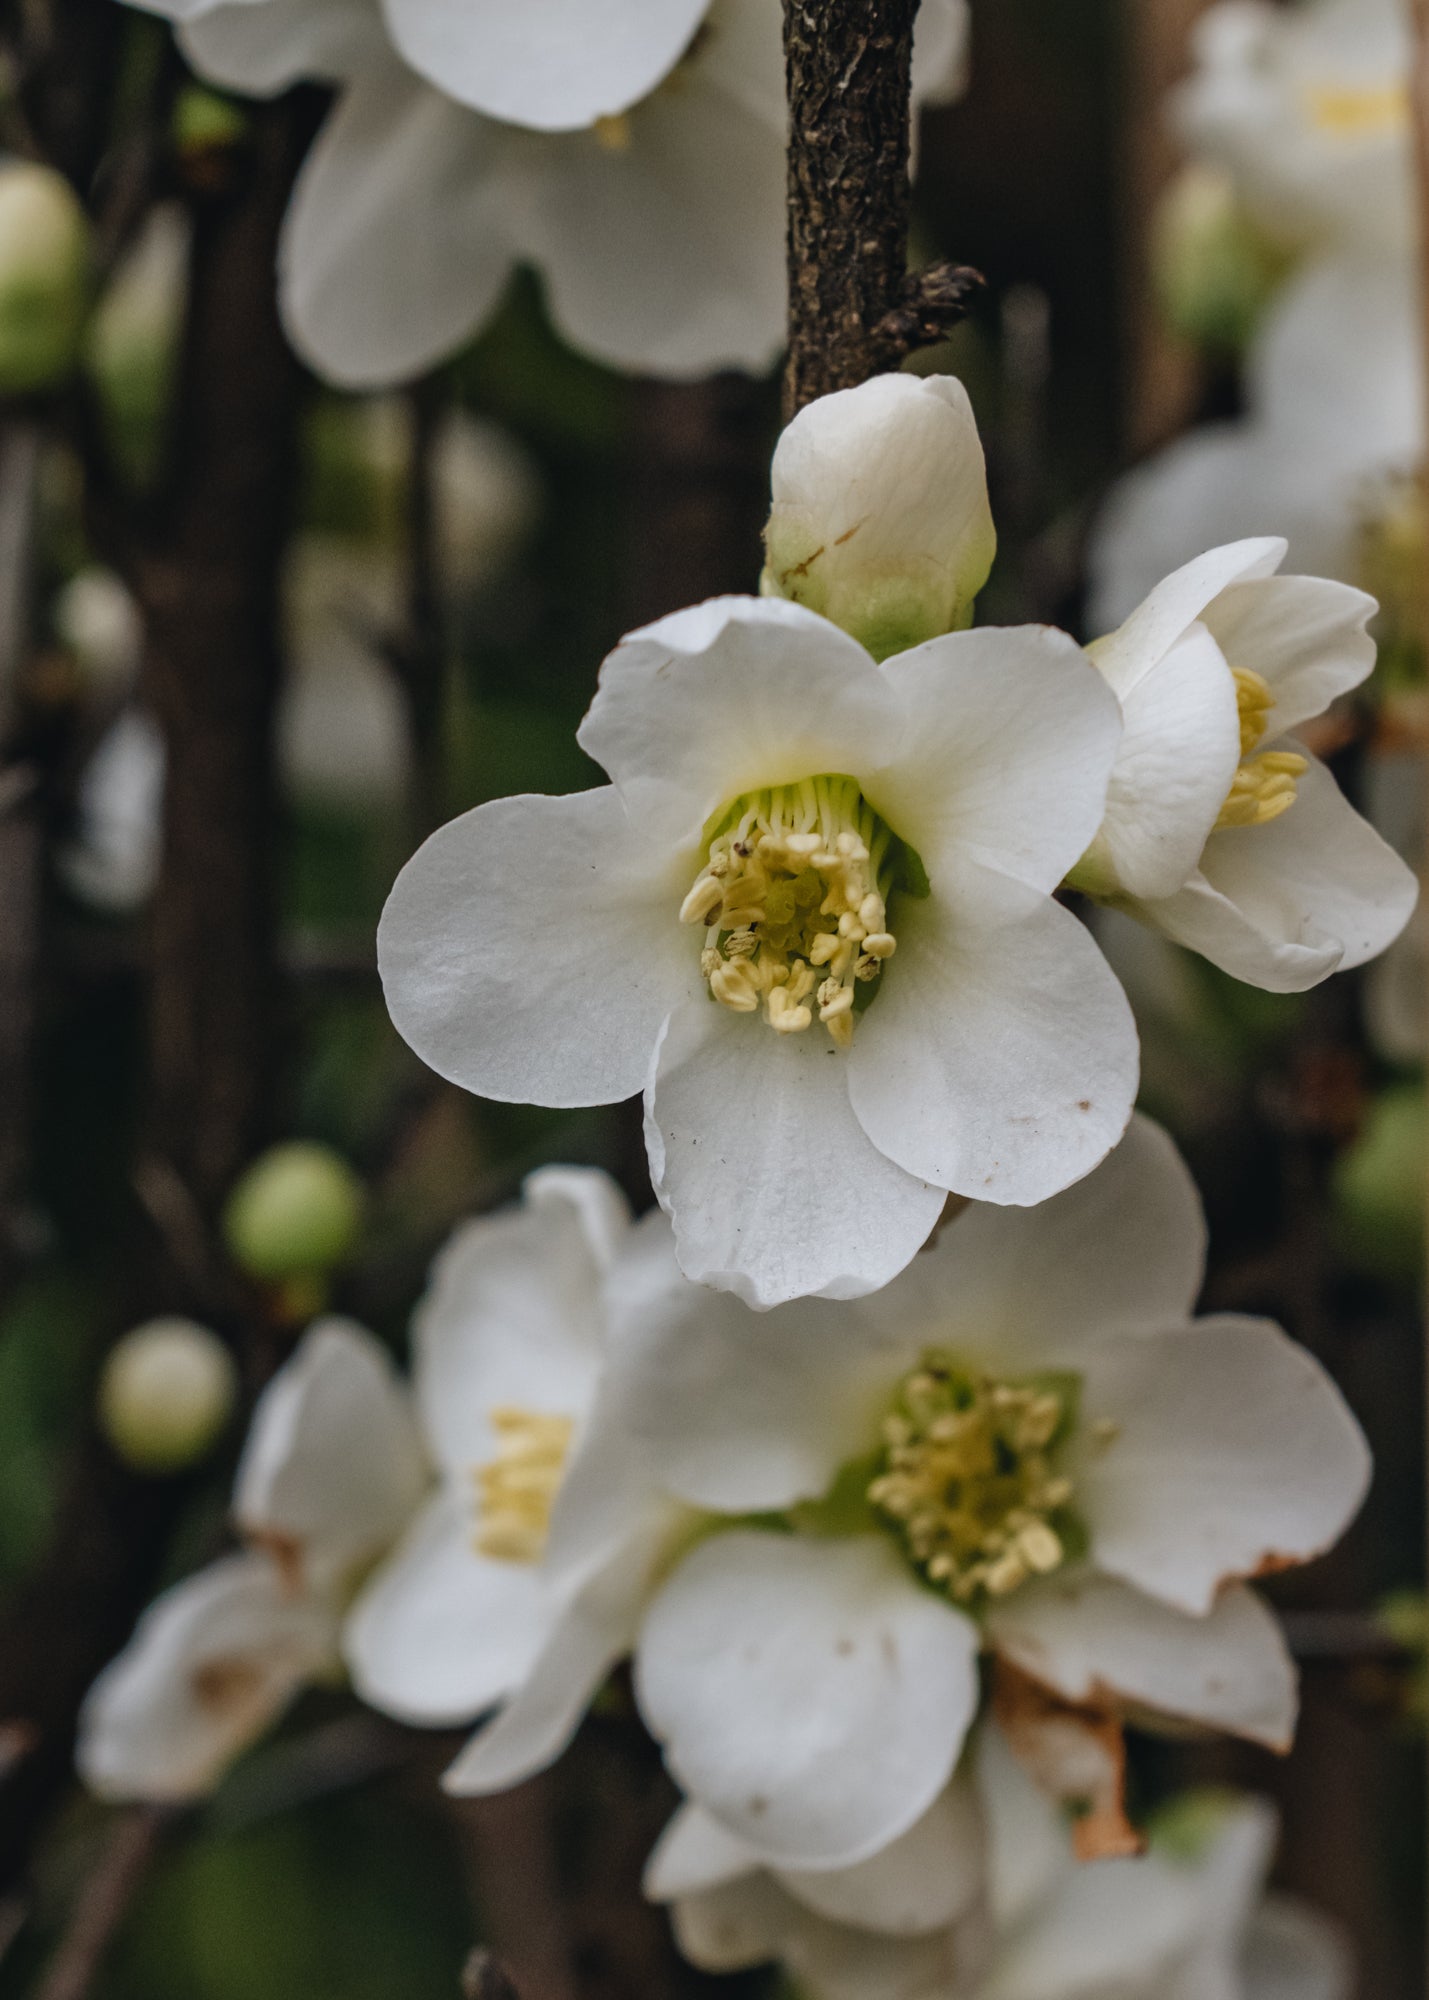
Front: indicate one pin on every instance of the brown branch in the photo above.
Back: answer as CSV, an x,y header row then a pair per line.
x,y
104,1901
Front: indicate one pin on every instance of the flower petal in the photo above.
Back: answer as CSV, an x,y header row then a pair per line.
x,y
1291,1952
212,1664
1232,1454
733,1925
441,1632
396,243
1167,613
808,1693
1304,635
512,1317
773,1188
551,64
264,49
1024,1289
997,719
1108,1927
1001,1060
530,950
1178,755
333,1468
923,1881
1092,1639
1201,918
695,1852
729,696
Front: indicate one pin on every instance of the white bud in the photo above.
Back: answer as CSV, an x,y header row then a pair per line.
x,y
44,276
167,1390
1214,269
880,517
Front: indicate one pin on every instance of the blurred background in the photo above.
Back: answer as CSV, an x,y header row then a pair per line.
x,y
196,837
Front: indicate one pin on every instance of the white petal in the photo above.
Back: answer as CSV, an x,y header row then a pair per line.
x,y
1317,872
396,244
1233,1455
441,1632
923,1881
1293,1953
734,1924
1010,742
695,1852
1022,1289
1168,612
1304,635
551,64
1092,1639
598,1203
729,696
810,1694
741,1411
664,255
1178,755
212,1664
1001,1059
1201,918
264,49
1029,1844
530,950
333,1467
774,1189
591,1632
1109,1926
940,51
512,1318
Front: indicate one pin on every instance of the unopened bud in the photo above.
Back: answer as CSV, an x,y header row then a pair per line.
x,y
294,1213
44,277
880,517
1379,1186
1214,268
166,1393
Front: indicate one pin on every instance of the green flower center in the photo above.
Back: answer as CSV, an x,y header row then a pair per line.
x,y
968,1477
793,899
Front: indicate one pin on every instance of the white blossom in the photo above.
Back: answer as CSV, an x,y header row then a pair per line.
x,y
331,1471
1222,830
655,215
785,817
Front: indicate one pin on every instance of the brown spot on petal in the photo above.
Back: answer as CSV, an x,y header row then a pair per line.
x,y
803,568
1073,1751
228,1686
286,1552
848,533
1272,1563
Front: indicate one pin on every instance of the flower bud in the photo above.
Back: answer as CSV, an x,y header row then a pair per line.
x,y
44,277
1214,269
1380,1183
295,1212
167,1390
880,518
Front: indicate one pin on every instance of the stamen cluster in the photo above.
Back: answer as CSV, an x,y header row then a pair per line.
x,y
793,898
517,1488
968,1480
1264,786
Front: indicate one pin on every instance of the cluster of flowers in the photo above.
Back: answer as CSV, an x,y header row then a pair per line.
x,y
898,1523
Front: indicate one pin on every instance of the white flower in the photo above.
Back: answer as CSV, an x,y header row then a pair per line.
x,y
1186,1922
113,860
507,1347
1308,107
331,1471
1023,1445
1221,829
785,815
657,227
880,517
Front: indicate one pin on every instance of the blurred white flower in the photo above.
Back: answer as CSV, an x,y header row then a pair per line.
x,y
880,517
1221,829
332,1470
95,616
657,226
342,728
113,859
1395,988
1023,1445
785,816
507,1348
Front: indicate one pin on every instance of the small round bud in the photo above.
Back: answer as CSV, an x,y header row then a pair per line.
x,y
295,1212
880,519
44,277
166,1393
1379,1187
1214,269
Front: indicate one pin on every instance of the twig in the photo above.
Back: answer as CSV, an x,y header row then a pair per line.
x,y
103,1903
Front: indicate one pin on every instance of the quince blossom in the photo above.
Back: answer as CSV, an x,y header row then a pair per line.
x,y
1222,830
1023,1446
632,152
332,1469
812,919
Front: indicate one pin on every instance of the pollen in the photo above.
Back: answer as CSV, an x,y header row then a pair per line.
x,y
1365,111
613,133
793,900
968,1479
1264,786
517,1489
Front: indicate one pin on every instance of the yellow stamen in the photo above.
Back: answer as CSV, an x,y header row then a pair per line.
x,y
613,133
517,1488
1264,786
1366,111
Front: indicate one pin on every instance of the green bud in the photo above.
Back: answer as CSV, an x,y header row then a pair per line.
x,y
44,277
1213,268
294,1213
880,518
1380,1185
166,1393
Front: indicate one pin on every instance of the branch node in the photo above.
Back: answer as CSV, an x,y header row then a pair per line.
x,y
932,303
